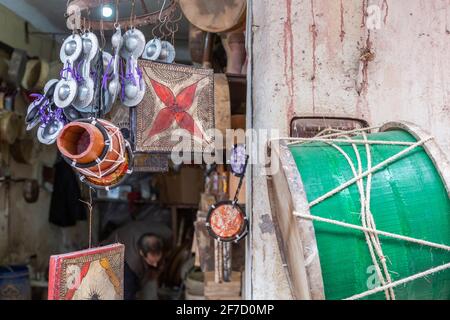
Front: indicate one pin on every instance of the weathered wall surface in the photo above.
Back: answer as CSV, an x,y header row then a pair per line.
x,y
318,57
12,32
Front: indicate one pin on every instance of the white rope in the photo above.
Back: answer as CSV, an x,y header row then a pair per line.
x,y
366,173
116,163
349,141
369,237
374,231
399,282
338,133
370,221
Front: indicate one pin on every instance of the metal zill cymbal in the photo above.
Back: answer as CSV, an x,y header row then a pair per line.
x,y
168,53
48,133
134,93
65,93
133,44
50,84
71,48
85,94
108,60
33,123
90,45
71,113
152,49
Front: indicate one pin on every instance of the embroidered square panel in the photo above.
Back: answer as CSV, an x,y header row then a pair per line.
x,y
177,97
93,274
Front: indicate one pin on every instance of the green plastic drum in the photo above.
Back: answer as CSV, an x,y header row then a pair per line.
x,y
408,197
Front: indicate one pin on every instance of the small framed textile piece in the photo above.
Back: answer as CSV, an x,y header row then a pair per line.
x,y
177,97
155,162
92,274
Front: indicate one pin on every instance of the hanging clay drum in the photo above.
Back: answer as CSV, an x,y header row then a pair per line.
x,y
115,178
91,144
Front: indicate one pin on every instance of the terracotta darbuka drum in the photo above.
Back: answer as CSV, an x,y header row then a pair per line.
x,y
88,144
407,197
215,15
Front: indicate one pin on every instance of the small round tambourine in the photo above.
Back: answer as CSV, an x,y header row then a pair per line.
x,y
238,160
226,221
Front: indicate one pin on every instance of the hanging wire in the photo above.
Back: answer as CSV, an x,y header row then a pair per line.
x,y
154,29
89,19
132,18
84,25
102,30
161,11
174,26
116,24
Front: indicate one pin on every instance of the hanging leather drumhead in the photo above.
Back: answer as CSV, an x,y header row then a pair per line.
x,y
25,151
215,15
30,190
226,221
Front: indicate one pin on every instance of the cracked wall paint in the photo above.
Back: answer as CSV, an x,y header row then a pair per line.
x,y
288,50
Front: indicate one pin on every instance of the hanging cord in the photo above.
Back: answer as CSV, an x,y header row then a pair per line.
x,y
367,219
89,205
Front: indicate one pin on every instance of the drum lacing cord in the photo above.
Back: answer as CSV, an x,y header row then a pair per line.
x,y
368,222
366,216
117,162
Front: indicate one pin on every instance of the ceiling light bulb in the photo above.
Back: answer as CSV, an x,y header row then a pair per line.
x,y
107,11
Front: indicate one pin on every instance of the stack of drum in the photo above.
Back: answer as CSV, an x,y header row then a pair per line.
x,y
97,150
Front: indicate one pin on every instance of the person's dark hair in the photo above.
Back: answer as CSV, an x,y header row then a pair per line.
x,y
150,243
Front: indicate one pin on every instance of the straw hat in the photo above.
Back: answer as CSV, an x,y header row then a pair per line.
x,y
44,75
9,127
31,75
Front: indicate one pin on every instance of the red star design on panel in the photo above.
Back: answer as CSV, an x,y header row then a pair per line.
x,y
175,109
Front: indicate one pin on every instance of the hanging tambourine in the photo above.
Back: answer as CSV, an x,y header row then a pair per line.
x,y
238,160
226,221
